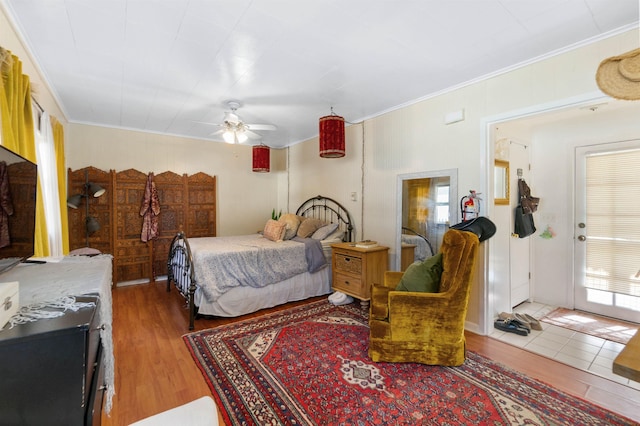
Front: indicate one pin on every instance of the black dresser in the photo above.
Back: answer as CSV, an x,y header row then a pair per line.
x,y
51,370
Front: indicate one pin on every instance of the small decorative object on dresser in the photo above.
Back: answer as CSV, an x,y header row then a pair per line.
x,y
355,269
366,244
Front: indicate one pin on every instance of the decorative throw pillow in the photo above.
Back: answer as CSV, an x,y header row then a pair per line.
x,y
422,276
274,230
292,223
309,226
324,231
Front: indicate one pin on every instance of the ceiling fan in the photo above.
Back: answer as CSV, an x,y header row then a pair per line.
x,y
234,130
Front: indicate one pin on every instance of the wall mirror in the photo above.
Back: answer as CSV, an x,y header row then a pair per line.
x,y
501,182
426,207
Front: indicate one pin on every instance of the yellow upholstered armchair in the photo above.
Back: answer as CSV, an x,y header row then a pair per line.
x,y
426,328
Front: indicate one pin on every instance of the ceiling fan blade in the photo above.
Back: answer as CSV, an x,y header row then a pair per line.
x,y
219,132
261,126
252,135
207,123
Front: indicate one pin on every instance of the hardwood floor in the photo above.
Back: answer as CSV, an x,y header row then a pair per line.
x,y
155,372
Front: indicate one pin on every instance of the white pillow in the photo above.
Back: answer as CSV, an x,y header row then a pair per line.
x,y
325,231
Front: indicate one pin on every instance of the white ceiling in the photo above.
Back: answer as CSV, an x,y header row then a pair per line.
x,y
163,65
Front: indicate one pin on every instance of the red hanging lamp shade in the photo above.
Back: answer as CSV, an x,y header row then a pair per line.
x,y
332,136
261,158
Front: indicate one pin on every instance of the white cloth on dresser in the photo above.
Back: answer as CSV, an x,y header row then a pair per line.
x,y
50,284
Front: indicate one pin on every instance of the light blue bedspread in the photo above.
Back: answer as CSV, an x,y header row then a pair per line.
x,y
222,263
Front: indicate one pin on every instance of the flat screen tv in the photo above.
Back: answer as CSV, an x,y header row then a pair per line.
x,y
18,189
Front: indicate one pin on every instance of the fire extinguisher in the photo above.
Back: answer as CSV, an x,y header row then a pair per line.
x,y
470,206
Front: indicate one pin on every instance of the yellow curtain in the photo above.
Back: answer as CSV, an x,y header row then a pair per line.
x,y
58,140
18,132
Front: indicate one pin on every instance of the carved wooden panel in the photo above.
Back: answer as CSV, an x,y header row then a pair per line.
x,y
132,257
201,213
187,203
22,178
99,208
171,189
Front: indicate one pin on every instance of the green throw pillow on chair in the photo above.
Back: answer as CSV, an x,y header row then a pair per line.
x,y
422,276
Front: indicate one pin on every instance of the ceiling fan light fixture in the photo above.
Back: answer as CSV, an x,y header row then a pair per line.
x,y
229,136
241,136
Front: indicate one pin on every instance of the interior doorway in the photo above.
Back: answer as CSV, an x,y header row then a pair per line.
x,y
554,130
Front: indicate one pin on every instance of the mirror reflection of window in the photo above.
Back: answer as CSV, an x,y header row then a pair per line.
x,y
442,204
501,182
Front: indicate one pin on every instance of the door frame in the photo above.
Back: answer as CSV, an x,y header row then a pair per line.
x,y
489,284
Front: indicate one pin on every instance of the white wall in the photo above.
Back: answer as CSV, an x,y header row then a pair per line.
x,y
336,178
245,199
415,139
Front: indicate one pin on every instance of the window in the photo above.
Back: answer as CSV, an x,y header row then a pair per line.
x,y
45,153
442,204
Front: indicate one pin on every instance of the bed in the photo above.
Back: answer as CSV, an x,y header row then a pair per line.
x,y
237,275
423,248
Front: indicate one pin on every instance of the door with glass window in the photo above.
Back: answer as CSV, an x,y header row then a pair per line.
x,y
607,230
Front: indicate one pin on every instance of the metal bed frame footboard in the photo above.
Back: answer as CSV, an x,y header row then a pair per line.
x,y
180,271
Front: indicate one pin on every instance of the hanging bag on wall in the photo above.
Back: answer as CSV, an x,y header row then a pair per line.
x,y
524,225
529,204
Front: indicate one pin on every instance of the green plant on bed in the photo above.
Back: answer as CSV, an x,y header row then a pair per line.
x,y
274,215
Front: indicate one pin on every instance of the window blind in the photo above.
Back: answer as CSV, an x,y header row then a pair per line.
x,y
613,222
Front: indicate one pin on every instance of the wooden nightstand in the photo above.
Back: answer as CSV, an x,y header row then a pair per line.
x,y
356,269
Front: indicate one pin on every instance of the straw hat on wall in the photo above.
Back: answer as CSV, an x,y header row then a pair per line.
x,y
619,76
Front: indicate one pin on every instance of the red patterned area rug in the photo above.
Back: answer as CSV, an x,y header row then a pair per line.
x,y
309,366
594,325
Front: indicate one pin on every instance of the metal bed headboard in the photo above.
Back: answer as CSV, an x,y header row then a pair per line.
x,y
328,210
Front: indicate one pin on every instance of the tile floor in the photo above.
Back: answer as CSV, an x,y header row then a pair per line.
x,y
580,350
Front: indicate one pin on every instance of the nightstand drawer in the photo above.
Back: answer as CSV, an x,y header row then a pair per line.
x,y
349,284
350,264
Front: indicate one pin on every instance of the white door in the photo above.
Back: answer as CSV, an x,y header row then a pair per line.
x,y
607,230
519,250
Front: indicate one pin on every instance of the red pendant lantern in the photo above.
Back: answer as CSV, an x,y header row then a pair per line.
x,y
261,158
332,136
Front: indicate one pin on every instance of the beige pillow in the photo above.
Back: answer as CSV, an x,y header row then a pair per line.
x,y
309,226
292,223
274,230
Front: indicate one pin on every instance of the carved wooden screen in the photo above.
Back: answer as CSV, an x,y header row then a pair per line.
x,y
99,207
201,208
187,203
132,257
171,189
